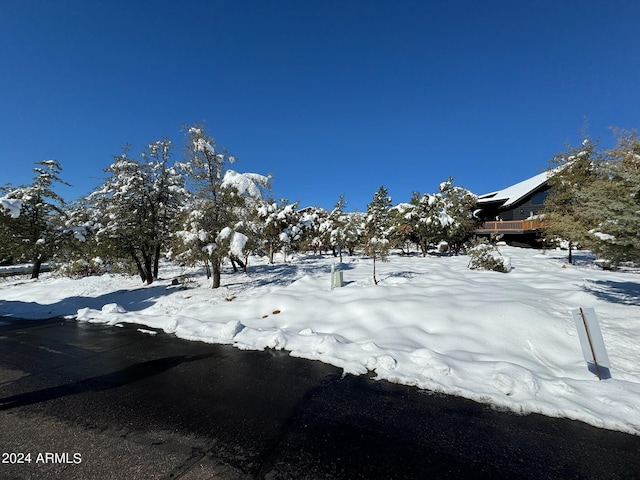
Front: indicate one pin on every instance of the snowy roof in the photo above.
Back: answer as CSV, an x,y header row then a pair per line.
x,y
512,194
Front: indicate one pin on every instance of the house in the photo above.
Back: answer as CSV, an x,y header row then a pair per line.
x,y
512,211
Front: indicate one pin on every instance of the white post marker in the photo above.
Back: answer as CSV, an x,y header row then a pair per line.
x,y
336,277
593,349
333,276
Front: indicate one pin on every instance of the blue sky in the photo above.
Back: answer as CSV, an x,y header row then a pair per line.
x,y
330,97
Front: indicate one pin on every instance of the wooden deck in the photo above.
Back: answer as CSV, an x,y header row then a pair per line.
x,y
511,226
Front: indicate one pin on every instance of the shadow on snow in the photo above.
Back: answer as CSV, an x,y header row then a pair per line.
x,y
625,293
135,300
283,274
131,300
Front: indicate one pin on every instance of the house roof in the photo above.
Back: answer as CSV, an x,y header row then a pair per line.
x,y
514,193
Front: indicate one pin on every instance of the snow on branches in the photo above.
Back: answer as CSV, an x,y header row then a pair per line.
x,y
245,184
11,206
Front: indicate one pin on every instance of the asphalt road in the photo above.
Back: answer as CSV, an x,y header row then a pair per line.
x,y
82,401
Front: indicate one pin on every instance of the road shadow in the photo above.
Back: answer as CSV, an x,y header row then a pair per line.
x,y
131,374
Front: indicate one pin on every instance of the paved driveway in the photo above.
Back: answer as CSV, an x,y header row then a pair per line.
x,y
82,401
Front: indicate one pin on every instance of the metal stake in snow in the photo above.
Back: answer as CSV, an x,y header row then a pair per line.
x,y
593,349
593,353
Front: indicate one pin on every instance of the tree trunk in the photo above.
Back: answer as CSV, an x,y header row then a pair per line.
x,y
37,264
242,264
216,273
148,268
138,265
271,252
207,268
375,281
570,253
156,262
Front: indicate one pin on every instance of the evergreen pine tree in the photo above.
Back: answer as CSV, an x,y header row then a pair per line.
x,y
570,172
353,231
36,234
219,202
337,223
459,204
377,228
138,205
316,233
428,219
402,234
281,226
612,203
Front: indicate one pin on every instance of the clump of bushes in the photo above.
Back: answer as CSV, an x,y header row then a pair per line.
x,y
486,256
82,268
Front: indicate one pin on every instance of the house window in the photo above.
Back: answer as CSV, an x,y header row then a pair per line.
x,y
539,198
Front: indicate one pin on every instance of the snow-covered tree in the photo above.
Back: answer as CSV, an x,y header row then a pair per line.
x,y
189,241
429,219
612,202
336,225
459,204
212,226
353,231
315,229
9,209
377,228
484,255
137,206
433,218
200,240
34,232
281,226
81,255
248,224
570,172
402,220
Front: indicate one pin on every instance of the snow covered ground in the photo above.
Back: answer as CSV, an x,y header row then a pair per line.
x,y
504,339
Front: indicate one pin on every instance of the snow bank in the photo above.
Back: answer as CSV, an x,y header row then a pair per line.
x,y
505,339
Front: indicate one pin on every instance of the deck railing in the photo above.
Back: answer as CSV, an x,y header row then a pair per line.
x,y
519,226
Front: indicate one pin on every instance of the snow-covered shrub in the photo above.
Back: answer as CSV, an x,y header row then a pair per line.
x,y
83,268
443,247
486,256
